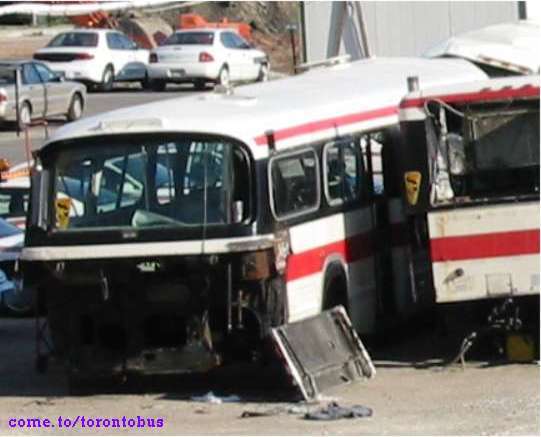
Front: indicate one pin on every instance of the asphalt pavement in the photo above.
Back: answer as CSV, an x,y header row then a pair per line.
x,y
12,146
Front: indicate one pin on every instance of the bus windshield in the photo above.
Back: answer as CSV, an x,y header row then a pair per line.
x,y
130,183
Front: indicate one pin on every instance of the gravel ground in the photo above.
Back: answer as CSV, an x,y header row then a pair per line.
x,y
415,397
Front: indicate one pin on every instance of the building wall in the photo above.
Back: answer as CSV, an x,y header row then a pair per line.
x,y
400,28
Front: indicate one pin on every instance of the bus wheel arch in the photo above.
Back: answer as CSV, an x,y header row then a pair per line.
x,y
335,285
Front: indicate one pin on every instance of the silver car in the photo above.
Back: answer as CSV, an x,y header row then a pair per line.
x,y
42,93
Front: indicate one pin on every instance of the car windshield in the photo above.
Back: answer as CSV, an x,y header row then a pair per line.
x,y
130,183
75,39
190,38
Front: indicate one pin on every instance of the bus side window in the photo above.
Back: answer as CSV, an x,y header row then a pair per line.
x,y
342,172
371,146
295,184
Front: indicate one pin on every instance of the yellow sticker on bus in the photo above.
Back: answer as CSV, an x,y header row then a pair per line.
x,y
412,180
63,207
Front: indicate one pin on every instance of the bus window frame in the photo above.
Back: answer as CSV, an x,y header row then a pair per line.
x,y
288,154
341,142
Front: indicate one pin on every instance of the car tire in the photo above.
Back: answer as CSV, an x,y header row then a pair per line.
x,y
200,84
146,83
25,115
158,85
263,73
223,76
75,110
107,79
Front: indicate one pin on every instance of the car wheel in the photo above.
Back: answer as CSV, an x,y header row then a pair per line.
x,y
263,73
146,83
76,108
158,85
25,115
107,79
223,76
200,84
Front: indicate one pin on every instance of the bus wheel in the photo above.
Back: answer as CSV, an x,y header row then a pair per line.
x,y
335,288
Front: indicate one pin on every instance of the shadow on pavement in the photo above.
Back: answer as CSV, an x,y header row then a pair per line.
x,y
419,345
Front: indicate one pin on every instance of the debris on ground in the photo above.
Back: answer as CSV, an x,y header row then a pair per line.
x,y
333,411
211,398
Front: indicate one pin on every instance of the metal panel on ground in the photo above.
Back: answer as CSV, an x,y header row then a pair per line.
x,y
322,352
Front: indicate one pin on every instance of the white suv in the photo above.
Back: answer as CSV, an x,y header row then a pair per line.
x,y
97,57
206,55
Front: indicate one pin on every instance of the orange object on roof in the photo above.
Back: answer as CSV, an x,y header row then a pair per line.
x,y
195,21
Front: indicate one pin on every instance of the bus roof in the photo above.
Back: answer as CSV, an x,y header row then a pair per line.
x,y
491,90
316,105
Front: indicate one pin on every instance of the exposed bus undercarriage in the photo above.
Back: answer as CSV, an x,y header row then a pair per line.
x,y
173,314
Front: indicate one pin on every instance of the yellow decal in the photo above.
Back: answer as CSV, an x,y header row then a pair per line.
x,y
63,207
412,180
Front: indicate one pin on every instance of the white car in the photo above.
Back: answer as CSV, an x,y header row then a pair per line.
x,y
15,194
14,299
97,57
206,55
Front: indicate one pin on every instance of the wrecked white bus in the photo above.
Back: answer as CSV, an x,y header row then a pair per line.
x,y
171,237
470,170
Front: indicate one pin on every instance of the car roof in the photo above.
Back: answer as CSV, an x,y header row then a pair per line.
x,y
206,29
317,105
92,30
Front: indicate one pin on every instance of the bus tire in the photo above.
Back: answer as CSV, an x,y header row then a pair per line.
x,y
335,288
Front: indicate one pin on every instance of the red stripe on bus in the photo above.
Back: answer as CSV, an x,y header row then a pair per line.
x,y
329,123
483,95
312,261
480,246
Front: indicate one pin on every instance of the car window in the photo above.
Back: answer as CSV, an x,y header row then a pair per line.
x,y
190,38
227,41
30,75
7,76
75,39
114,42
13,202
126,43
238,41
295,182
45,74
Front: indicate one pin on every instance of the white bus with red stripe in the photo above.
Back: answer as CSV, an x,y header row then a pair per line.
x,y
470,170
257,207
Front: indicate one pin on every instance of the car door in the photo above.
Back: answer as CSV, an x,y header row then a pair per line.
x,y
58,92
233,56
34,88
137,59
249,68
120,56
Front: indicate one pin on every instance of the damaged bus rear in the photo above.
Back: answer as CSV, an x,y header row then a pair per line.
x,y
144,247
470,169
